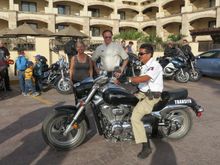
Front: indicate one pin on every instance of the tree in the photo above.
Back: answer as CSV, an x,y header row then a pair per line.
x,y
129,35
175,38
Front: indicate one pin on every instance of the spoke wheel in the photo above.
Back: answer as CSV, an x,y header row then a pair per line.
x,y
64,86
179,123
53,129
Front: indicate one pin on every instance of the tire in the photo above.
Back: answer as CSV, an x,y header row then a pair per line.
x,y
64,86
183,117
196,76
182,78
52,132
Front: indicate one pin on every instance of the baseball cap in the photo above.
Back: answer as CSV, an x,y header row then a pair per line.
x,y
37,56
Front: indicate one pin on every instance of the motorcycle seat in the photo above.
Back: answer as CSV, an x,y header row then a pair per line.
x,y
181,93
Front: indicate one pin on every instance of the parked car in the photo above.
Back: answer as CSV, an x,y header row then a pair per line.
x,y
209,63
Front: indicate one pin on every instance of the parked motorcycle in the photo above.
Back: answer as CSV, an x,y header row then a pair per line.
x,y
175,68
194,73
57,76
112,105
133,66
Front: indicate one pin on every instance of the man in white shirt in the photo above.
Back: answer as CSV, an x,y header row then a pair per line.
x,y
111,55
150,87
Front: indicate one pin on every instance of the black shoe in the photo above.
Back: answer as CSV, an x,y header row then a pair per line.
x,y
145,152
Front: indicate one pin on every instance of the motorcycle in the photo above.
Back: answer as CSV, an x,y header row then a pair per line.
x,y
194,73
57,76
66,127
133,66
175,68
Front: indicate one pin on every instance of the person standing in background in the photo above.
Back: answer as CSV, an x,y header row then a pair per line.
x,y
81,66
111,55
123,44
38,73
128,48
187,50
21,65
29,80
6,55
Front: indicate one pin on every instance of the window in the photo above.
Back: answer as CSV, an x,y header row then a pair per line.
x,y
60,27
211,3
28,6
95,31
95,12
33,25
63,9
211,24
211,54
122,15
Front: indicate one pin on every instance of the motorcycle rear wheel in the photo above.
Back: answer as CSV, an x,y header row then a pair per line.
x,y
53,128
194,76
182,77
183,119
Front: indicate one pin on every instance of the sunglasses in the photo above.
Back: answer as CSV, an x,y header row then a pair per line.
x,y
141,53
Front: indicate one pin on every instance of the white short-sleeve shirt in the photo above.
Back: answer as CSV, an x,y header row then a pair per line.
x,y
111,55
154,70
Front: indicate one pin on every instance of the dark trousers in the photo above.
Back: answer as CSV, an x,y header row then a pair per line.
x,y
7,81
38,83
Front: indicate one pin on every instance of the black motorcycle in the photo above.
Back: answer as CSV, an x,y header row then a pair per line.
x,y
66,127
57,76
133,66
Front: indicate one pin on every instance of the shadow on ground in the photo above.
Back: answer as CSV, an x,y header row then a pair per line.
x,y
164,153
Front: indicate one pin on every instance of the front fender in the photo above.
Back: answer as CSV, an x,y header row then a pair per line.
x,y
70,109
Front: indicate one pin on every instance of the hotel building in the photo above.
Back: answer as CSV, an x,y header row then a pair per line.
x,y
162,17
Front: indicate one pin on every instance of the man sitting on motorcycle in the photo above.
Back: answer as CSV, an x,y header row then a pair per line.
x,y
150,87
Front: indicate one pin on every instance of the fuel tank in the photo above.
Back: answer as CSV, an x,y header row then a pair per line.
x,y
83,88
117,96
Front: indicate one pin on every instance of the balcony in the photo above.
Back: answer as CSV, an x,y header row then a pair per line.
x,y
68,8
100,12
34,6
199,5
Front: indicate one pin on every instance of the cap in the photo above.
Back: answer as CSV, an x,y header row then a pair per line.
x,y
37,56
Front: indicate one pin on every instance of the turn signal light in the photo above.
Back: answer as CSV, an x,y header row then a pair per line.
x,y
75,126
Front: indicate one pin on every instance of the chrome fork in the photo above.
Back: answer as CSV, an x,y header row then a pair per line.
x,y
82,106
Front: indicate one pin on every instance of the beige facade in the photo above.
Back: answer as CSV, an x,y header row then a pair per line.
x,y
163,17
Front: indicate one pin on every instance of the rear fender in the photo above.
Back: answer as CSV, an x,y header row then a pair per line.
x,y
70,109
182,104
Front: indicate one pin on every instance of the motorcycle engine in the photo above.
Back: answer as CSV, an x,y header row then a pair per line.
x,y
117,122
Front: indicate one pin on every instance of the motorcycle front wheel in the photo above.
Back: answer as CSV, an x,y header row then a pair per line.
x,y
182,76
195,75
178,124
54,126
64,86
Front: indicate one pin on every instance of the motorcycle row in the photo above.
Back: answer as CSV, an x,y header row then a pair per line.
x,y
179,68
66,127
